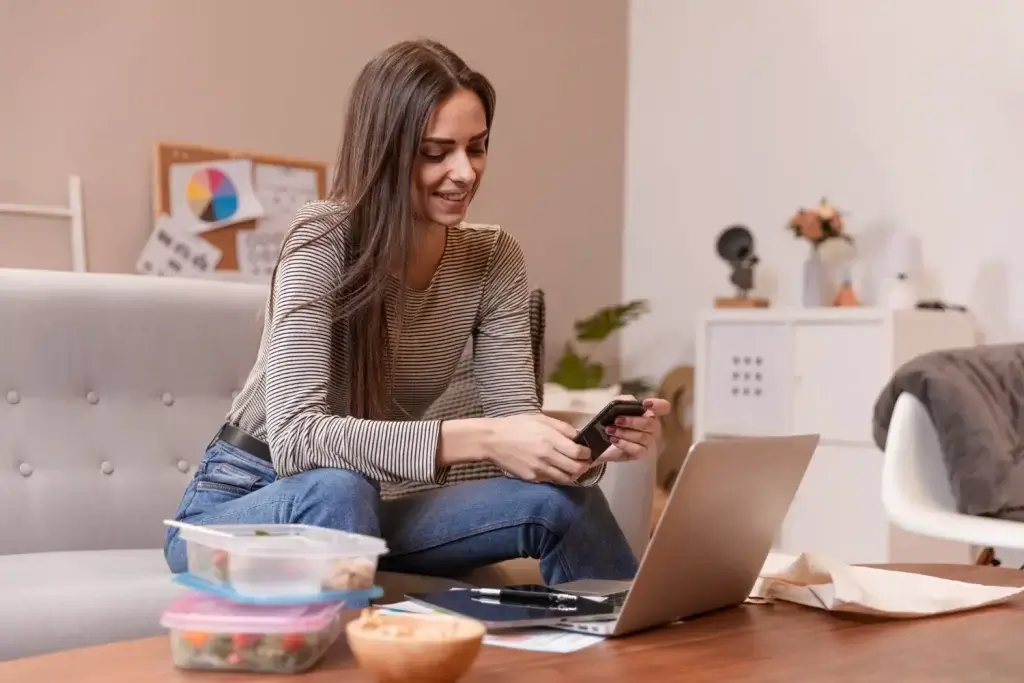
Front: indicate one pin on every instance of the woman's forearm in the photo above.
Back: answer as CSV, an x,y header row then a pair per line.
x,y
464,441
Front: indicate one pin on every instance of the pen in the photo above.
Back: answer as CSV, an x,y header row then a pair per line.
x,y
525,604
525,596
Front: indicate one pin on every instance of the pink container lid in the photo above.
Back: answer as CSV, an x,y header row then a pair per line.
x,y
200,612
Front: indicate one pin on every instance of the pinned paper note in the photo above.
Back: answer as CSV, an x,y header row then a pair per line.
x,y
282,191
213,194
172,250
257,252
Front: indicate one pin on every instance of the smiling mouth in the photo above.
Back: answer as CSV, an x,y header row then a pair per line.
x,y
452,196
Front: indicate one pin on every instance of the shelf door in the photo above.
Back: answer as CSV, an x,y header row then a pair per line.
x,y
839,370
747,379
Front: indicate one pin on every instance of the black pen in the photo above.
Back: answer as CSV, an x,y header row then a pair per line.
x,y
513,595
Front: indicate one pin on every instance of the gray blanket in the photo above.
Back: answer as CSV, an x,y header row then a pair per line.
x,y
975,397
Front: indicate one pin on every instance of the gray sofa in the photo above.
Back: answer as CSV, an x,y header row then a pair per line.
x,y
110,388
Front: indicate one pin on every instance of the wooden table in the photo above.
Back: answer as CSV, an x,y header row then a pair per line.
x,y
763,643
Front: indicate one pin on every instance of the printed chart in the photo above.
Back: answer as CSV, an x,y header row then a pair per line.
x,y
211,195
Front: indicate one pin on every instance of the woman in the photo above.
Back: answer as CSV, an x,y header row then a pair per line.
x,y
374,298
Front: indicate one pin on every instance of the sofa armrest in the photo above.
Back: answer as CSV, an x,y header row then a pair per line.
x,y
629,488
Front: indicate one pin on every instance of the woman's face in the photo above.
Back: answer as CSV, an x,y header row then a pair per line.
x,y
451,160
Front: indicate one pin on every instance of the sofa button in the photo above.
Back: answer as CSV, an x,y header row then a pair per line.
x,y
106,467
182,466
167,399
13,397
92,398
25,469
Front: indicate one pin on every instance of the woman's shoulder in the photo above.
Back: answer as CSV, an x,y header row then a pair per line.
x,y
321,213
317,224
487,243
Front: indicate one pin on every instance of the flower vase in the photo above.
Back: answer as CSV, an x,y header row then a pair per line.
x,y
815,280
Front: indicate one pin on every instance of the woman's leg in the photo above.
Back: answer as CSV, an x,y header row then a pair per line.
x,y
233,487
452,530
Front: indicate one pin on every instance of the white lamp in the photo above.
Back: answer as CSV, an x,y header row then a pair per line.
x,y
902,270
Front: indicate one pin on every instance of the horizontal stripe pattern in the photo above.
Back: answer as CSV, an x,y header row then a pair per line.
x,y
296,395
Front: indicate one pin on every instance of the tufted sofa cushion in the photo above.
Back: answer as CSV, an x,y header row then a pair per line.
x,y
110,388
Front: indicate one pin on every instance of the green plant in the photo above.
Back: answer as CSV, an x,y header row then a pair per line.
x,y
576,369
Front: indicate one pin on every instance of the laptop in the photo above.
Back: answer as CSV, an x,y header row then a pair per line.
x,y
728,503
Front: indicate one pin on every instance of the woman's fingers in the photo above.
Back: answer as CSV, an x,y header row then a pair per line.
x,y
658,406
634,436
646,423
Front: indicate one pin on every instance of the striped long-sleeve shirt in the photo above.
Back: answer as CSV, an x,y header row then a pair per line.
x,y
295,398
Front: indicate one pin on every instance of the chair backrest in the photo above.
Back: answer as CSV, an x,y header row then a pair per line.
x,y
914,475
111,386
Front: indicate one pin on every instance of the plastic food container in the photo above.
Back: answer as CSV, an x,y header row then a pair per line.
x,y
281,559
211,633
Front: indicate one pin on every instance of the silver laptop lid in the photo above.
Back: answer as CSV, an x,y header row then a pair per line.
x,y
722,516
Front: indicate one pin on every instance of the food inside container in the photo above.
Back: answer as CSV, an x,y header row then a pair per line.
x,y
281,559
212,633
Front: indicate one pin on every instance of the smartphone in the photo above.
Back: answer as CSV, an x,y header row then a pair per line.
x,y
594,436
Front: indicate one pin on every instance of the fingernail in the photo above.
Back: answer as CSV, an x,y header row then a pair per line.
x,y
610,430
648,403
615,439
620,420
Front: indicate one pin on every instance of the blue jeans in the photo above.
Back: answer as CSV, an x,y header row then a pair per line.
x,y
442,532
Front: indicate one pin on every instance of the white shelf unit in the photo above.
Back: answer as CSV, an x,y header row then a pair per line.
x,y
790,371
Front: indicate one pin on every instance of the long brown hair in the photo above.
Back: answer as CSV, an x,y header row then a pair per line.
x,y
388,109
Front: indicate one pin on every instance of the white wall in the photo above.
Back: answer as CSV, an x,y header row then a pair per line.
x,y
907,113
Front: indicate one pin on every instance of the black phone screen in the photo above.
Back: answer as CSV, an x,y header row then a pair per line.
x,y
594,436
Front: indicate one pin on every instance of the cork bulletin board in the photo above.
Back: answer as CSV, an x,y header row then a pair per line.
x,y
225,237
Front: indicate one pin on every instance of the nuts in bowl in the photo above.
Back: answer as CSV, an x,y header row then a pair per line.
x,y
426,648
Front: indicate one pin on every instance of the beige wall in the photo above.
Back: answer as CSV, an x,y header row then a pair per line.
x,y
102,80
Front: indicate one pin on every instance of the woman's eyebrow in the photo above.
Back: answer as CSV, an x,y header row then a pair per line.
x,y
450,141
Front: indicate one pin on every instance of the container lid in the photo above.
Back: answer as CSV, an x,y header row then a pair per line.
x,y
282,540
228,592
200,612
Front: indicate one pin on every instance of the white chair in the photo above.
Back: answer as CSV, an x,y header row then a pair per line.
x,y
915,485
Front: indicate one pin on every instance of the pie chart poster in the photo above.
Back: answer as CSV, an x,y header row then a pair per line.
x,y
212,194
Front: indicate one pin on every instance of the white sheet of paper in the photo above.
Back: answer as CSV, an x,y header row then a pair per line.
x,y
824,583
533,639
257,253
282,191
212,194
172,250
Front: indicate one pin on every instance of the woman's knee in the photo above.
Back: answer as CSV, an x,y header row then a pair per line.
x,y
333,498
561,507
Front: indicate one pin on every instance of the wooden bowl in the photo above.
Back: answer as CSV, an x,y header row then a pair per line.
x,y
425,648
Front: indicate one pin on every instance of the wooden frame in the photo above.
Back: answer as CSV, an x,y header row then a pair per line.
x,y
74,211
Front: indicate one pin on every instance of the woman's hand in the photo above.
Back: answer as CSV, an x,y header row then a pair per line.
x,y
636,437
536,447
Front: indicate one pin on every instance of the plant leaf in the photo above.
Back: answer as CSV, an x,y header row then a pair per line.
x,y
609,319
640,387
575,371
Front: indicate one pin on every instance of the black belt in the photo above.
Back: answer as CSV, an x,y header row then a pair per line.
x,y
231,434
